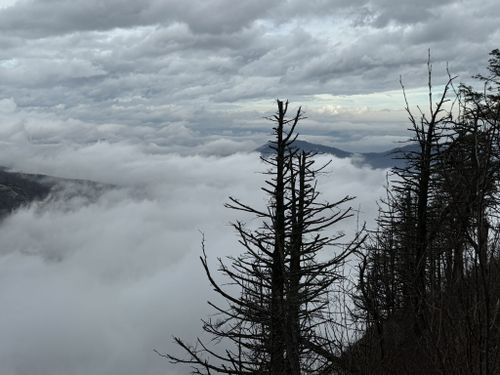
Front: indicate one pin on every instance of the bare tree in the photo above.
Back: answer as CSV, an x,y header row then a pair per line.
x,y
431,269
280,321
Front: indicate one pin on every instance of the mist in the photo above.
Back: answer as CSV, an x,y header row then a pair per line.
x,y
93,283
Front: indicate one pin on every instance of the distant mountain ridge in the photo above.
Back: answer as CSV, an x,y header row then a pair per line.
x,y
378,160
20,189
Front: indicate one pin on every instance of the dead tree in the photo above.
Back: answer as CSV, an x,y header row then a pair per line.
x,y
438,244
278,322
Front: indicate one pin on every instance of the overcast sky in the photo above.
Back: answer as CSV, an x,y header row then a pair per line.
x,y
198,67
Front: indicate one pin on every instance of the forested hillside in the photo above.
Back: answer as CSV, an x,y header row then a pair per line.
x,y
429,287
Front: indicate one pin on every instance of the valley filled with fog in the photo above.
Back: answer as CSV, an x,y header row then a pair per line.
x,y
93,283
149,115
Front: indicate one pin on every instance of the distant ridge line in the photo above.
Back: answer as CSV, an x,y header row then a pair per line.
x,y
378,160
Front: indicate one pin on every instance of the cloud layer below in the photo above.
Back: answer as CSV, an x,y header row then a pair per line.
x,y
92,285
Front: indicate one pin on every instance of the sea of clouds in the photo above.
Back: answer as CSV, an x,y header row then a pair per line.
x,y
163,103
93,284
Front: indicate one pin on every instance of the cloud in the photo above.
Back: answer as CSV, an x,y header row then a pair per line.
x,y
35,18
163,100
49,71
157,63
7,105
93,285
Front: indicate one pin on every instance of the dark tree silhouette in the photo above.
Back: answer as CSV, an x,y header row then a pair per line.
x,y
280,322
429,288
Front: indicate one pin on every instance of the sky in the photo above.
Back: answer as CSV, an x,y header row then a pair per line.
x,y
164,102
161,70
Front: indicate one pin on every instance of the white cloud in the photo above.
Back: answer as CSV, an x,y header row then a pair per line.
x,y
7,105
93,285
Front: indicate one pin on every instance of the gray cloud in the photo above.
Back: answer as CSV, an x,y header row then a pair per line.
x,y
209,66
35,18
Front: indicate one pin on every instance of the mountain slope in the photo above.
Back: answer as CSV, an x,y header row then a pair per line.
x,y
20,189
